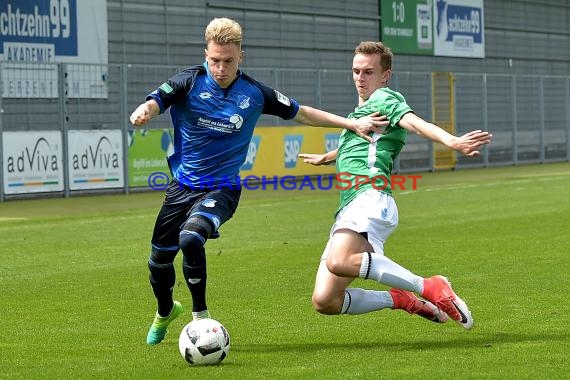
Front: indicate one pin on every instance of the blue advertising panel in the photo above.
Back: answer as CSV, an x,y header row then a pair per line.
x,y
37,31
37,35
459,28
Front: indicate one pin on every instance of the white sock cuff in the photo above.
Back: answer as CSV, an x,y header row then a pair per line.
x,y
365,265
346,303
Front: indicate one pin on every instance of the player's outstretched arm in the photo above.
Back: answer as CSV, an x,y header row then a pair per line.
x,y
144,113
319,159
362,127
466,144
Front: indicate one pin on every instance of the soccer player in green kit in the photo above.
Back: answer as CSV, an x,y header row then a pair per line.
x,y
367,216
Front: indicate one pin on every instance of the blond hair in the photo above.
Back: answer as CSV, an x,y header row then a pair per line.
x,y
223,31
369,48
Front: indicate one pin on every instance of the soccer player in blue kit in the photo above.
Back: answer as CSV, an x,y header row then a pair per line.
x,y
214,108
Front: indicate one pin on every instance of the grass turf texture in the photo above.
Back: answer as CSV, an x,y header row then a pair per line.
x,y
76,302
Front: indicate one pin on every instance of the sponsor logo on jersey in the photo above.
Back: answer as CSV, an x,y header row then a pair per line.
x,y
282,98
166,88
243,102
205,95
236,120
228,126
251,153
292,149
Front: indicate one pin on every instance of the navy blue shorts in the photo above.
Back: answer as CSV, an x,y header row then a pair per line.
x,y
181,202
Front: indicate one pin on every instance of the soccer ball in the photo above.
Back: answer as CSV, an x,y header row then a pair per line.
x,y
204,341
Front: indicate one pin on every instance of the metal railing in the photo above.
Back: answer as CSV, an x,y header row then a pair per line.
x,y
529,115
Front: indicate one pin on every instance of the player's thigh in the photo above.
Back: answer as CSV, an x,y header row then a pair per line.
x,y
172,214
218,206
346,241
344,251
373,214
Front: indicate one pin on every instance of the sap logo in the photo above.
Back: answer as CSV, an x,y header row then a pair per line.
x,y
331,141
39,159
292,149
97,158
251,153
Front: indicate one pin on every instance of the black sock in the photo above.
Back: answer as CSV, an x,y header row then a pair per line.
x,y
162,278
195,276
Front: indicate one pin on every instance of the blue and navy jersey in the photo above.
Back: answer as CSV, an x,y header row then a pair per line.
x,y
213,126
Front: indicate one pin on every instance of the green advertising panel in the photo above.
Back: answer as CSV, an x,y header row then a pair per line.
x,y
407,26
147,155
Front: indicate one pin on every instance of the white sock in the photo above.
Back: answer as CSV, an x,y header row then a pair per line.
x,y
360,301
200,314
385,271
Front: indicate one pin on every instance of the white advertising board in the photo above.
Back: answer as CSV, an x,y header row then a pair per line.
x,y
32,162
95,159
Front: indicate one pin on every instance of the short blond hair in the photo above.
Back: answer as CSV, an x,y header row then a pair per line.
x,y
223,31
372,47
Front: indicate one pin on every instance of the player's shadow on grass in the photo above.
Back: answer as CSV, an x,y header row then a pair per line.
x,y
480,341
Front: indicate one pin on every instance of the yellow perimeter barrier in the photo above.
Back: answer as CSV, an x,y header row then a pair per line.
x,y
273,151
443,115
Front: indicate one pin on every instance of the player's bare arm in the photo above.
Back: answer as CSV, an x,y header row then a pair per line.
x,y
362,127
144,113
466,144
319,159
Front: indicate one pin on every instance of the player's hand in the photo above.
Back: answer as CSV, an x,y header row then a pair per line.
x,y
314,159
470,142
141,115
373,123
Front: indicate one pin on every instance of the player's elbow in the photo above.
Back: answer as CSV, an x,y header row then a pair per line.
x,y
301,116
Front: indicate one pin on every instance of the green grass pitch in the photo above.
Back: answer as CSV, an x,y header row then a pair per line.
x,y
76,303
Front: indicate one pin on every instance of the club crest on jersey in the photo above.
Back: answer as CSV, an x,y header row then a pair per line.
x,y
243,102
282,98
209,202
205,95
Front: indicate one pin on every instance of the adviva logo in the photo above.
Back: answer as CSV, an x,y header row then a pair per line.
x,y
101,156
292,149
41,158
251,153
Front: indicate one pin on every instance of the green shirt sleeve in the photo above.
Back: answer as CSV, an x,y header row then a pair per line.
x,y
389,103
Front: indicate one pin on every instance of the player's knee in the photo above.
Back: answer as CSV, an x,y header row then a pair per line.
x,y
326,305
161,257
195,232
191,241
336,265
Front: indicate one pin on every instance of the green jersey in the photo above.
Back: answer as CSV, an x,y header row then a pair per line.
x,y
362,165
